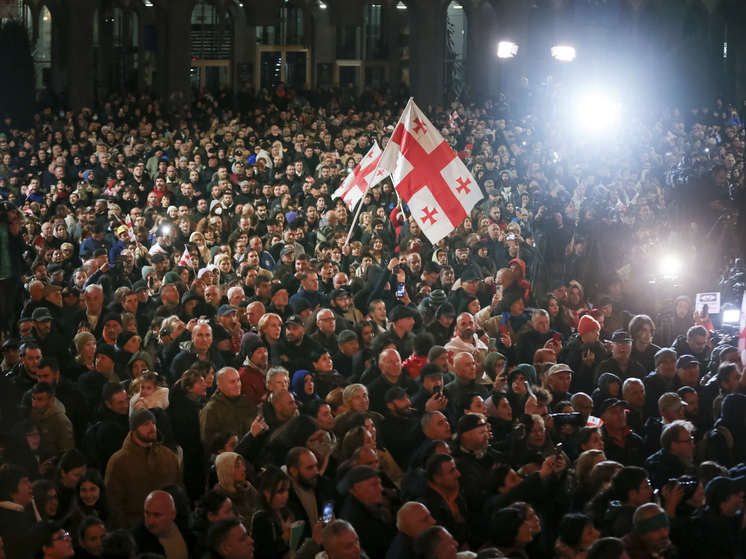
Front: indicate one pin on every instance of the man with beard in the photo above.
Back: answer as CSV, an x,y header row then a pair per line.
x,y
401,430
253,371
442,497
309,490
341,302
466,341
140,467
295,350
649,537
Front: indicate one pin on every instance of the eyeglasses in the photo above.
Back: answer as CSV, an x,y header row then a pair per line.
x,y
685,441
65,537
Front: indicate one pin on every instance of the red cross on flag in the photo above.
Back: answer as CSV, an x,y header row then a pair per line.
x,y
742,331
435,184
362,177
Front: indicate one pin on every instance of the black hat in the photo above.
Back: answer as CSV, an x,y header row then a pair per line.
x,y
337,293
191,296
294,319
219,333
275,288
249,348
125,337
469,422
111,316
721,488
686,361
106,349
10,343
139,286
301,305
396,393
400,312
610,403
469,276
231,278
555,285
356,475
621,336
41,314
430,370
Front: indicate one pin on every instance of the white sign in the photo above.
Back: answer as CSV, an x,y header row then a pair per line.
x,y
712,300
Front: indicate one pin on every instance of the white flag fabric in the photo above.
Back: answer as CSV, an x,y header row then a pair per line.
x,y
430,178
361,179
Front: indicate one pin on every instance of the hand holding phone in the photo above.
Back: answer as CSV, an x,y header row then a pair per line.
x,y
328,513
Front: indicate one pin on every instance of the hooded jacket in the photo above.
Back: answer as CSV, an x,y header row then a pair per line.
x,y
602,392
133,472
734,420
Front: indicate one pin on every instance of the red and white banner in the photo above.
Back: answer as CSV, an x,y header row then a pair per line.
x,y
452,120
425,171
357,183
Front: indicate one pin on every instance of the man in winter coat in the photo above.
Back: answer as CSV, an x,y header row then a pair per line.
x,y
227,409
141,466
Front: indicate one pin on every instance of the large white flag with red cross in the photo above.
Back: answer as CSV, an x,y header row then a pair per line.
x,y
426,173
357,183
742,331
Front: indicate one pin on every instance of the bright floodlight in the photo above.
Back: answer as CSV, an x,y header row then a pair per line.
x,y
566,54
506,49
670,265
596,111
732,316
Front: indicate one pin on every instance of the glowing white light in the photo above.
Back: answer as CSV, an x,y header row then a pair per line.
x,y
596,111
401,6
566,54
732,316
506,49
322,6
670,265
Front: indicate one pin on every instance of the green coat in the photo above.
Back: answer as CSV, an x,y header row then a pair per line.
x,y
222,413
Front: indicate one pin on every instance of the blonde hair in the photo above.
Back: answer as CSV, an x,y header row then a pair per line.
x,y
265,319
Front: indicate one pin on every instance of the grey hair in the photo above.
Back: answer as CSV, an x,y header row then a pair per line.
x,y
539,312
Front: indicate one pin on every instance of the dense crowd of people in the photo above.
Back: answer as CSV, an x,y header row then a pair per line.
x,y
197,363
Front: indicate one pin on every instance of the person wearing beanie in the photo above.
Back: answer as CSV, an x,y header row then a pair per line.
x,y
431,396
443,324
649,537
349,345
584,353
141,466
127,344
620,363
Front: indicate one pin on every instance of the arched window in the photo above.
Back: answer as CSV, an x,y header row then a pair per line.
x,y
289,31
455,58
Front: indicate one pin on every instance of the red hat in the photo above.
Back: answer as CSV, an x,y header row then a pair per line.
x,y
469,147
588,324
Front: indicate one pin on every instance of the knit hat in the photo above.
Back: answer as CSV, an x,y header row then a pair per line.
x,y
125,337
435,352
721,488
430,370
663,354
346,336
171,277
140,417
469,423
225,464
438,297
588,324
146,271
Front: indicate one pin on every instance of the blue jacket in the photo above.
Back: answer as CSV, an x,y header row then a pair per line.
x,y
314,298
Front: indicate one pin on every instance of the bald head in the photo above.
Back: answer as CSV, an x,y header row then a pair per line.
x,y
413,519
465,366
160,512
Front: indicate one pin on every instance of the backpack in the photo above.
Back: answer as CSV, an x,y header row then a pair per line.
x,y
702,448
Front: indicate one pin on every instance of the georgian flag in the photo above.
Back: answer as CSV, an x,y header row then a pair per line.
x,y
435,184
361,178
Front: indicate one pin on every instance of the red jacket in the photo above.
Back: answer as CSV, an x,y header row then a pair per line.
x,y
253,383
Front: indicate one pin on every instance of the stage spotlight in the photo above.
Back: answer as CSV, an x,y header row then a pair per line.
x,y
732,316
565,54
596,111
506,49
670,265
